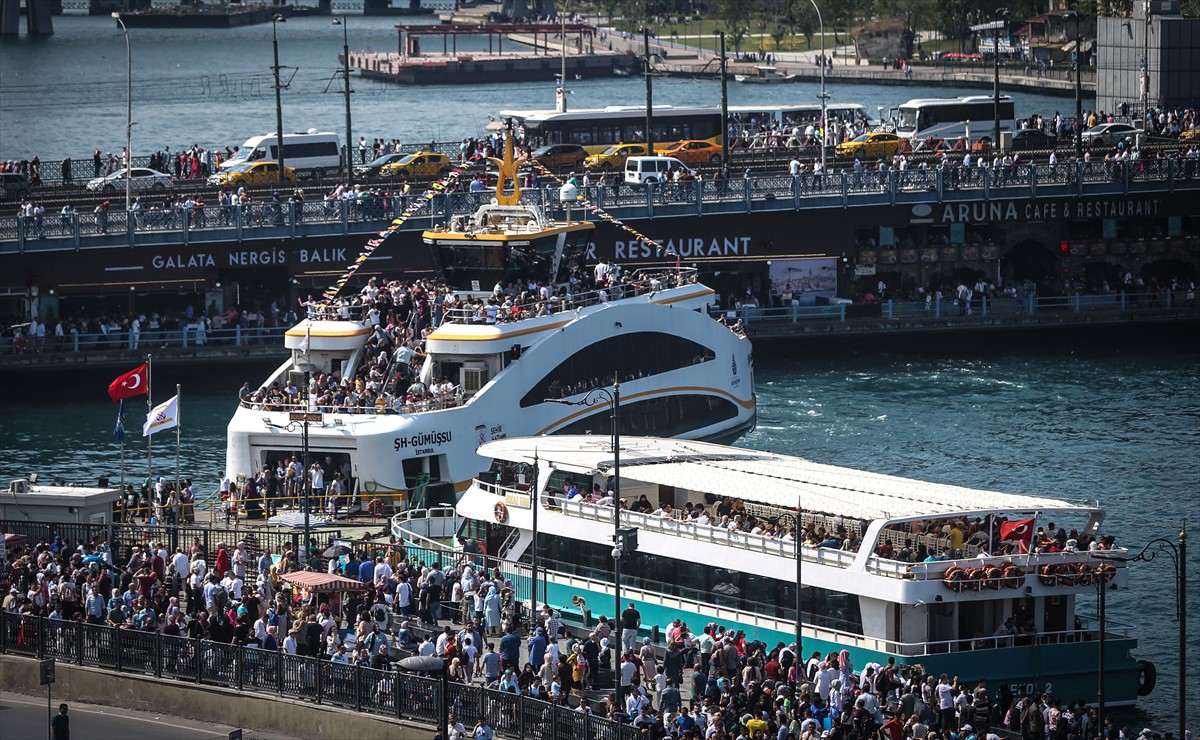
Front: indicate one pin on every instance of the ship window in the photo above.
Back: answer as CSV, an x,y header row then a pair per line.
x,y
703,583
665,416
631,356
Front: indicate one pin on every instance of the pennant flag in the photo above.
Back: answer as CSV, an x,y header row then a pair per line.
x,y
307,342
1020,531
161,417
119,431
133,383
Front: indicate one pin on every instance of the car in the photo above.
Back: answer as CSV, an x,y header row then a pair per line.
x,y
14,184
422,165
871,144
1192,134
560,156
694,151
142,178
613,158
1108,134
252,173
1033,138
372,168
640,171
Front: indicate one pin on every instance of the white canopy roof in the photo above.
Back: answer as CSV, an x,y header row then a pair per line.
x,y
768,478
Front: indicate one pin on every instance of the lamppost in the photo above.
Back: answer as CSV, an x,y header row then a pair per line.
x,y
300,420
1078,85
275,21
1001,13
797,542
613,399
1178,554
128,114
346,82
823,95
433,665
649,91
1101,591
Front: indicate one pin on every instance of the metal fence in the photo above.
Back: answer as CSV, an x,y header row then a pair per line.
x,y
383,693
71,230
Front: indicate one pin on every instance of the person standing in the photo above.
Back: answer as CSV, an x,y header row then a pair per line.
x,y
631,621
60,726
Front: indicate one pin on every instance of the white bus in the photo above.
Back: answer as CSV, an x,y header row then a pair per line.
x,y
952,118
312,153
753,116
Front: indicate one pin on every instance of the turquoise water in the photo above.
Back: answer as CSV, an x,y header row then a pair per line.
x,y
65,94
1113,416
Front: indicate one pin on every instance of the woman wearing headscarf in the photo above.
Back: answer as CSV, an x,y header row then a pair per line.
x,y
846,673
491,608
649,661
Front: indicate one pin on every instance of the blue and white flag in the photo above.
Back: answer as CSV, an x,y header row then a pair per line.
x,y
119,431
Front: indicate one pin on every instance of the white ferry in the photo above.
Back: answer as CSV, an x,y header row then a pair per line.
x,y
867,587
684,374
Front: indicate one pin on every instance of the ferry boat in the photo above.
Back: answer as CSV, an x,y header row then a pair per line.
x,y
765,75
867,585
495,362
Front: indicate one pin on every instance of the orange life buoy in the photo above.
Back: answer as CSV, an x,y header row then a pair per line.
x,y
500,511
1066,574
1083,573
1048,575
375,507
1014,577
994,574
975,578
953,578
21,344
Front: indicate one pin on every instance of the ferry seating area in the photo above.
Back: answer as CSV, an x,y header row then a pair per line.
x,y
399,406
642,282
950,183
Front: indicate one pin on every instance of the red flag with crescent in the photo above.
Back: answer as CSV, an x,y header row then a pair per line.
x,y
1021,531
132,383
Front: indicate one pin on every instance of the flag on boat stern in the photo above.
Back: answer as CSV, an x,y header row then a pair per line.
x,y
133,383
119,431
1020,531
163,416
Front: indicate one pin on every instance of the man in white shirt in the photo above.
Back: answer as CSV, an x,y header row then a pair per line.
x,y
233,585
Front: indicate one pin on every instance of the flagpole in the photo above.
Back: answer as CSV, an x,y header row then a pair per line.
x,y
149,438
121,425
178,429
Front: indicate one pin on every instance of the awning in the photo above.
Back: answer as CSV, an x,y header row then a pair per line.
x,y
323,582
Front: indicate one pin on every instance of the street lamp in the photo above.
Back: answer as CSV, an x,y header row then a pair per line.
x,y
612,398
128,114
1101,591
275,21
300,420
824,98
346,80
1078,85
797,542
1001,13
1178,554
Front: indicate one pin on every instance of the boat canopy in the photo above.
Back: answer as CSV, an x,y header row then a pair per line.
x,y
768,478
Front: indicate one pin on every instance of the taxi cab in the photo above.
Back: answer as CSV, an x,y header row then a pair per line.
x,y
252,173
1192,134
423,165
613,158
873,144
694,151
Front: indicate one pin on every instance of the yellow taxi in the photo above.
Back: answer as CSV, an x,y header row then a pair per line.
x,y
423,165
694,151
1192,134
252,173
873,144
613,158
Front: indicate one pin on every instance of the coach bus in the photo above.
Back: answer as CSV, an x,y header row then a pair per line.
x,y
972,117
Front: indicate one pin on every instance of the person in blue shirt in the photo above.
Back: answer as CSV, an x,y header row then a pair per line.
x,y
537,647
366,571
510,650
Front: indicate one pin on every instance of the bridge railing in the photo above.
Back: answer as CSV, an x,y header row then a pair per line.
x,y
193,335
100,227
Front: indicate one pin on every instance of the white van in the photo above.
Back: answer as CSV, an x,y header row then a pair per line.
x,y
642,170
310,154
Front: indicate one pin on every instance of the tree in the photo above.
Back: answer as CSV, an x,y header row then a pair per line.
x,y
738,16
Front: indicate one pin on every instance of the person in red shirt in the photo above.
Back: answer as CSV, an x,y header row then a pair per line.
x,y
223,564
893,729
146,579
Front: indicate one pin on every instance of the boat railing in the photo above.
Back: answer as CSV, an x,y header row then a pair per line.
x,y
973,643
448,401
336,312
935,570
642,282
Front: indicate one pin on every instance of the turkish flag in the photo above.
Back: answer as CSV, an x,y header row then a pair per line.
x,y
133,383
1021,531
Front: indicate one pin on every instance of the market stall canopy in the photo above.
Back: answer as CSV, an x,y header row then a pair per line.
x,y
323,582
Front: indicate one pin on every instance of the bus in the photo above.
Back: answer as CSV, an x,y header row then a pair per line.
x,y
311,153
971,117
752,116
597,129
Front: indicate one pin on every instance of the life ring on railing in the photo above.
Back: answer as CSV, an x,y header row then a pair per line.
x,y
1048,575
1014,577
953,578
1107,571
994,574
1083,574
500,511
975,579
1147,678
1066,574
21,343
375,507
